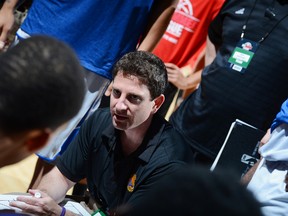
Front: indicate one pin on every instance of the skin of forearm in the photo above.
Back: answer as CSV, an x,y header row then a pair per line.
x,y
158,21
248,176
193,73
10,4
55,185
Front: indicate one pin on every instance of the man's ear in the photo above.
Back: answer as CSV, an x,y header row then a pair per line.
x,y
36,139
158,102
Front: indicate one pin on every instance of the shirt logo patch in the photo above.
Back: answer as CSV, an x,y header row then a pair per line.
x,y
241,11
131,183
247,46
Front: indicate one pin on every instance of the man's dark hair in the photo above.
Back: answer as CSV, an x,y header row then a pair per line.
x,y
41,85
195,191
148,68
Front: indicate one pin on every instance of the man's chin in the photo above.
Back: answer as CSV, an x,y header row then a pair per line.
x,y
120,126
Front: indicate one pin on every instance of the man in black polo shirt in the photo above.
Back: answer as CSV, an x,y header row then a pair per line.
x,y
247,80
123,151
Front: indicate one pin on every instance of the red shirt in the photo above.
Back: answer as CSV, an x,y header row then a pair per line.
x,y
185,37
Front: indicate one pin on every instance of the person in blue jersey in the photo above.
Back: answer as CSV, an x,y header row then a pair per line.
x,y
100,32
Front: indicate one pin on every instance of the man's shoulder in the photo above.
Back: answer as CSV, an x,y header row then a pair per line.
x,y
101,118
101,114
173,146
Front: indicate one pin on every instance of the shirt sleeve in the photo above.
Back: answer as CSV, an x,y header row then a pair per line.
x,y
215,28
281,117
73,163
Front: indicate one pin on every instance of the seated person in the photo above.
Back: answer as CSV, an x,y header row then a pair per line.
x,y
268,178
41,87
195,191
122,151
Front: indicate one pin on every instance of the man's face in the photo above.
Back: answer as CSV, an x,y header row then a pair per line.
x,y
12,149
130,102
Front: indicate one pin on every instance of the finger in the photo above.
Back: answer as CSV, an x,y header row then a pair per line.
x,y
167,64
36,193
28,199
17,204
2,45
3,38
26,207
172,75
170,65
172,80
172,70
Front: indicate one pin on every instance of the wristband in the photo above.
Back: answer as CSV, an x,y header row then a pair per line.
x,y
98,212
63,212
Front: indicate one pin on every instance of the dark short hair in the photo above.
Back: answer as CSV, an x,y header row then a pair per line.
x,y
197,191
41,85
147,67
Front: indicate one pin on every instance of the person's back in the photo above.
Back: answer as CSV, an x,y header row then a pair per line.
x,y
38,94
253,94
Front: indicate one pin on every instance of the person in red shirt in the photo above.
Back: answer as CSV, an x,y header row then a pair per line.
x,y
182,47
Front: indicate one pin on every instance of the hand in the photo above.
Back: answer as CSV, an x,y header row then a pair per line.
x,y
43,205
175,76
6,24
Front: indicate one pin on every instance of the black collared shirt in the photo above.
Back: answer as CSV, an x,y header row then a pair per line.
x,y
113,178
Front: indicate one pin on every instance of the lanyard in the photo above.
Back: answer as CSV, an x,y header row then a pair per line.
x,y
268,32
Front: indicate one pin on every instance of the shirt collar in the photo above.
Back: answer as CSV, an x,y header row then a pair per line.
x,y
150,142
152,138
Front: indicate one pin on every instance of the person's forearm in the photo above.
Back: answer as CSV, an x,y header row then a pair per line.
x,y
9,4
55,184
211,50
158,21
248,176
6,20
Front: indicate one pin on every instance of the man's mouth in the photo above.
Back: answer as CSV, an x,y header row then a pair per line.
x,y
120,117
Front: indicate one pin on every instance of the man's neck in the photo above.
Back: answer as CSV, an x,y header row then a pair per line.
x,y
131,139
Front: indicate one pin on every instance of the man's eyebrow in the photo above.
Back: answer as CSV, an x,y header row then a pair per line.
x,y
115,88
134,94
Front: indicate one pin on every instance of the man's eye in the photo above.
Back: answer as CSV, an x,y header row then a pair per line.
x,y
116,93
134,99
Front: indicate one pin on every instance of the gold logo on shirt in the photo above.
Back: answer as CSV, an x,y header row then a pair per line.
x,y
131,183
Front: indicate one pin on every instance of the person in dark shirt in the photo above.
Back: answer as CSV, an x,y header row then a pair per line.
x,y
122,151
247,79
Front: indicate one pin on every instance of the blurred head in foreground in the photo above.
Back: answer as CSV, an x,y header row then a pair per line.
x,y
195,191
41,87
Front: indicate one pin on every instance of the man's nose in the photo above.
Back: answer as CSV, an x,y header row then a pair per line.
x,y
121,104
